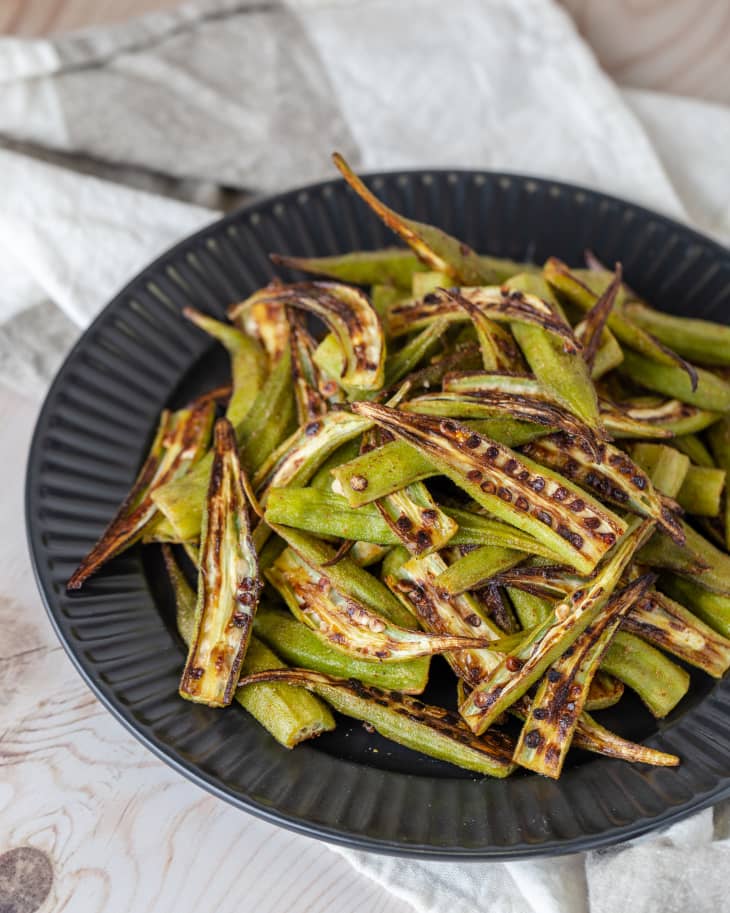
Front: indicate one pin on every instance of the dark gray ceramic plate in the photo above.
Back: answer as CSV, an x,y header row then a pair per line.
x,y
349,787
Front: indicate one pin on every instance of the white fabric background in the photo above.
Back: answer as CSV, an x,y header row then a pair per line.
x,y
115,142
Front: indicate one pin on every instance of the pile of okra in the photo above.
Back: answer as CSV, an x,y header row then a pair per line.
x,y
518,467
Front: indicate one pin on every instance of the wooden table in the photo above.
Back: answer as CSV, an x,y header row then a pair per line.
x,y
91,822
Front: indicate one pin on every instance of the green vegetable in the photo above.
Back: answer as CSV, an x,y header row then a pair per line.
x,y
712,608
297,644
349,625
228,582
248,362
267,422
421,727
701,341
181,439
667,624
543,645
495,477
475,568
710,392
564,373
561,695
289,714
701,491
667,467
660,683
692,446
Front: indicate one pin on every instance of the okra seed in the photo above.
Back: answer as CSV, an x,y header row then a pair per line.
x,y
358,483
544,517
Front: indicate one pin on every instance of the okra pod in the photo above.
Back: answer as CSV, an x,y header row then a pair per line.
x,y
228,582
181,440
712,608
591,736
690,445
349,625
595,320
660,683
517,308
719,440
617,479
666,417
295,643
311,403
289,714
561,695
389,266
532,610
431,730
438,250
413,582
667,624
609,354
605,691
564,373
347,576
666,466
709,392
248,362
401,363
701,491
521,669
416,519
348,314
700,341
264,319
264,427
476,568
487,404
581,290
512,488
497,345
698,559
296,460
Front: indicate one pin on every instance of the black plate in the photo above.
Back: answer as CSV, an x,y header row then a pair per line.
x,y
349,786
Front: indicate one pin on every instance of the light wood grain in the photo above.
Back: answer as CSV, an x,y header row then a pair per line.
x,y
124,833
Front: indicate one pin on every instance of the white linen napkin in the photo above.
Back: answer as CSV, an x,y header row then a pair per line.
x,y
116,141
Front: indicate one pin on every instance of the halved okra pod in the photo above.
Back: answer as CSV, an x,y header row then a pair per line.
x,y
289,714
422,727
511,487
542,646
561,695
228,582
181,440
347,624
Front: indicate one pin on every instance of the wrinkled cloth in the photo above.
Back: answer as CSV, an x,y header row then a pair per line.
x,y
115,142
